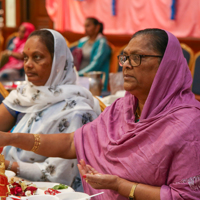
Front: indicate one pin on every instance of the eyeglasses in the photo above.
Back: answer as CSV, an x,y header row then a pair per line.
x,y
134,59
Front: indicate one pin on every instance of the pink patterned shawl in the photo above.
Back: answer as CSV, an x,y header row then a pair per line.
x,y
14,63
163,148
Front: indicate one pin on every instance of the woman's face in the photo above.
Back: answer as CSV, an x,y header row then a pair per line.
x,y
90,28
21,32
37,61
138,80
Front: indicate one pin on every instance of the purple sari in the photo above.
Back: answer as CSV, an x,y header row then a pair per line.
x,y
163,148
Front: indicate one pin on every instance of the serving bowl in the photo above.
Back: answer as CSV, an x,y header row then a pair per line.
x,y
9,173
73,195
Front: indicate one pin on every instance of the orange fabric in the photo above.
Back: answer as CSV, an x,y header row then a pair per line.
x,y
131,16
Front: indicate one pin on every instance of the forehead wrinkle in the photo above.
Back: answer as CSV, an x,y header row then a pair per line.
x,y
145,45
134,52
32,52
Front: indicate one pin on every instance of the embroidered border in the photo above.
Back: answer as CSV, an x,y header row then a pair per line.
x,y
193,182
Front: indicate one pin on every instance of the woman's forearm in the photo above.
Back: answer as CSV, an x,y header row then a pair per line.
x,y
17,55
57,145
7,121
51,145
142,191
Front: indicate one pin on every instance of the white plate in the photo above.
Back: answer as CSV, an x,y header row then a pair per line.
x,y
9,173
73,195
42,186
42,197
35,197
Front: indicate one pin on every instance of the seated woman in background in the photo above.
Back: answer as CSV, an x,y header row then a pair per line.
x,y
49,102
146,145
13,56
95,50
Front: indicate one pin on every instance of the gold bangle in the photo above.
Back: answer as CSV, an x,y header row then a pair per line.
x,y
36,143
132,192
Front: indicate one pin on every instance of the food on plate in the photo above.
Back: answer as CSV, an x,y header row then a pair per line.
x,y
60,187
22,188
51,191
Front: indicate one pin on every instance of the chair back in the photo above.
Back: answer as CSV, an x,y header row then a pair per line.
x,y
73,45
10,38
196,74
114,64
3,93
101,104
116,81
1,41
188,54
67,42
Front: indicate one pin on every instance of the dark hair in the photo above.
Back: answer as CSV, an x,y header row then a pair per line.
x,y
46,38
159,39
96,22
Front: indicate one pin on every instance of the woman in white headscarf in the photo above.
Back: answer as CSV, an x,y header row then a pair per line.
x,y
49,102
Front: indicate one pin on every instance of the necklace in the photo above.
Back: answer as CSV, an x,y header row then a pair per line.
x,y
137,115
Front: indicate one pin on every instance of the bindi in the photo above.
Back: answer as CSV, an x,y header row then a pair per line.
x,y
28,48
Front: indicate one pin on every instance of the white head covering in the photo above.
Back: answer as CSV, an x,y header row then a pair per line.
x,y
62,61
60,95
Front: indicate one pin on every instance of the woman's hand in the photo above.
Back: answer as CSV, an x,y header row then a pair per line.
x,y
8,52
120,185
6,164
96,179
16,55
13,167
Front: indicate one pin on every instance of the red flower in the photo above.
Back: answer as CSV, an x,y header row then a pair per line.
x,y
16,184
16,191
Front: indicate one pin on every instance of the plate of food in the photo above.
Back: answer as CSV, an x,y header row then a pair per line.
x,y
47,186
22,188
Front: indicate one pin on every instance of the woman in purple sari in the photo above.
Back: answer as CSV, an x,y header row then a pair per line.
x,y
146,145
